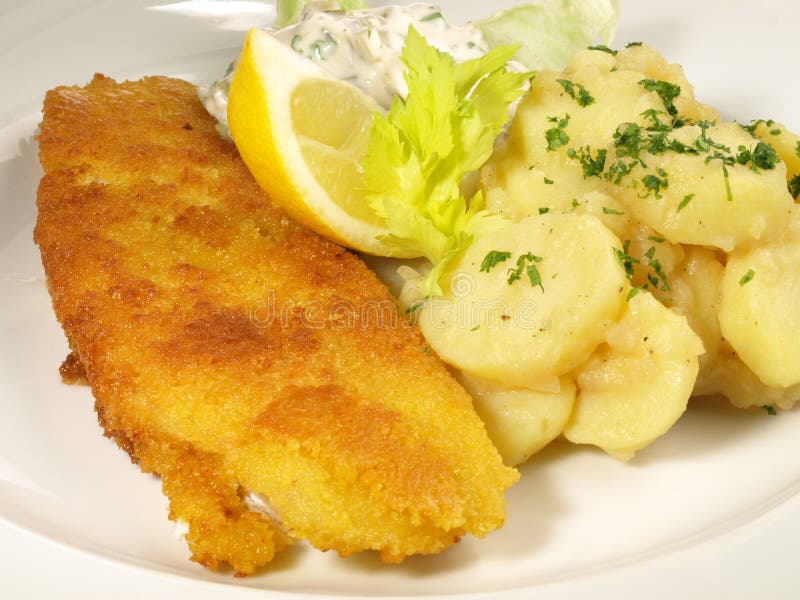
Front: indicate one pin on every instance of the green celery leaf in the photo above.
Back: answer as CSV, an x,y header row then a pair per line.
x,y
419,153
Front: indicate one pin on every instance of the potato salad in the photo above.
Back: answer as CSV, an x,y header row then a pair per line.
x,y
657,246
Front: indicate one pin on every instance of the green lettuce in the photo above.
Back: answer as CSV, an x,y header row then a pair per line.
x,y
419,153
549,32
289,10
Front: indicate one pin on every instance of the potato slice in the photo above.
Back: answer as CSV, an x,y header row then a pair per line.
x,y
760,307
694,200
520,422
636,385
522,333
728,376
529,174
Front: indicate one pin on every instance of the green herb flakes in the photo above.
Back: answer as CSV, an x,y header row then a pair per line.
x,y
603,48
655,183
492,259
592,166
527,262
747,277
667,92
794,187
556,136
577,92
685,202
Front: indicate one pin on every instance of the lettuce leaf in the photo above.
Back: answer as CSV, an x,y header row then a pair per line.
x,y
549,32
419,152
289,10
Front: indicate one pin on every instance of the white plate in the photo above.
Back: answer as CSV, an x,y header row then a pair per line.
x,y
712,508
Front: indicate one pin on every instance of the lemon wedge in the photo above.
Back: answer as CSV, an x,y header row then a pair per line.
x,y
303,133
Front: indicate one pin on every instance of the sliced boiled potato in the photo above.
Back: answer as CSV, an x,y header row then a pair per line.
x,y
635,386
656,259
760,306
728,376
691,200
524,332
529,173
695,291
648,62
520,422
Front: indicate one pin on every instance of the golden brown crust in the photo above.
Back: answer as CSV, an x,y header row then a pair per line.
x,y
229,349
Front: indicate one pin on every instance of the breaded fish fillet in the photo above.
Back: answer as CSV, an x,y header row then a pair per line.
x,y
232,352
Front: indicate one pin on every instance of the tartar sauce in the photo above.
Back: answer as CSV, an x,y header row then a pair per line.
x,y
361,47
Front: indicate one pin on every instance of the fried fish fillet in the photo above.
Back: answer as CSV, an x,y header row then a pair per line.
x,y
234,353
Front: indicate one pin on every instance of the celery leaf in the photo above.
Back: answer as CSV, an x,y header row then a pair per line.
x,y
419,153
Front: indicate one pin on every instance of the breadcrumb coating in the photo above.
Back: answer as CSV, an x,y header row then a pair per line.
x,y
229,350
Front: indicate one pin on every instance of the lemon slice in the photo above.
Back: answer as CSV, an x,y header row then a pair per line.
x,y
303,133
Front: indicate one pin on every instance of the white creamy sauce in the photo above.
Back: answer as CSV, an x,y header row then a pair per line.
x,y
361,47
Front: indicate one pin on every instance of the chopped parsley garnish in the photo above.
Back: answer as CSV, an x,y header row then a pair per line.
x,y
515,274
492,259
575,202
763,156
705,143
770,410
797,149
657,279
632,44
625,260
603,48
543,210
656,239
660,275
548,181
747,277
754,125
726,176
432,16
611,211
415,307
618,170
775,131
476,327
667,92
534,276
628,140
592,165
577,92
654,183
794,187
556,136
685,202
657,123
633,292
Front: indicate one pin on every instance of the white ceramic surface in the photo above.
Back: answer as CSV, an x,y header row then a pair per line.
x,y
711,510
